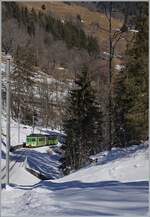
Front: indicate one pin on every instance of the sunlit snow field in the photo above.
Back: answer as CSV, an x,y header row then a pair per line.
x,y
117,185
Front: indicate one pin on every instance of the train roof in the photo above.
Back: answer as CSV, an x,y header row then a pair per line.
x,y
38,135
54,133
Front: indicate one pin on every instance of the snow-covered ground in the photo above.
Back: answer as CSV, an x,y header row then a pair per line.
x,y
117,185
43,160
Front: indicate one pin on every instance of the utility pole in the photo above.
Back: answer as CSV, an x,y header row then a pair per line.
x,y
0,133
110,74
19,128
33,123
0,117
108,14
8,118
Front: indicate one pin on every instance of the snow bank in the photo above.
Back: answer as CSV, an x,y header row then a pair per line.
x,y
128,164
116,186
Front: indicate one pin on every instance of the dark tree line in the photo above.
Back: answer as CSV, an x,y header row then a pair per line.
x,y
119,7
83,122
131,88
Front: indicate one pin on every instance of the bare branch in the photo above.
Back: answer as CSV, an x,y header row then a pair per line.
x,y
105,9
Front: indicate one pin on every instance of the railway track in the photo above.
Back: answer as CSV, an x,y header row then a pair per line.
x,y
18,155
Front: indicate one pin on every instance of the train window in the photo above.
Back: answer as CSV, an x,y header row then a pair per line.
x,y
28,139
33,140
41,139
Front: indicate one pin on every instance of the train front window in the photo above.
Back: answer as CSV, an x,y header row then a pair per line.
x,y
28,140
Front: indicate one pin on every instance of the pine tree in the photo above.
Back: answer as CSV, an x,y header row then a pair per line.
x,y
120,108
132,97
82,124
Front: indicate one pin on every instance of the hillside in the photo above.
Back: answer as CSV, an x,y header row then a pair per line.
x,y
116,185
94,23
52,41
75,89
61,44
52,87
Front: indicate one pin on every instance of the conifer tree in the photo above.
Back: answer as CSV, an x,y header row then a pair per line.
x,y
82,124
120,108
131,95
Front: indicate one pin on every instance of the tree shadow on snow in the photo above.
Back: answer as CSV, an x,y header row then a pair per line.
x,y
78,184
104,198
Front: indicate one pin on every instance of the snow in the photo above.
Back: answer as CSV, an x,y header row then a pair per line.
x,y
58,95
24,131
116,30
42,160
41,77
3,66
119,67
117,185
60,68
133,30
114,165
19,176
106,53
94,199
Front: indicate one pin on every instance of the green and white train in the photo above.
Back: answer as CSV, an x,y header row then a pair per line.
x,y
38,140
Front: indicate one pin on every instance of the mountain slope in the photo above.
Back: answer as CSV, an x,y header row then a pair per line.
x,y
94,23
116,186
